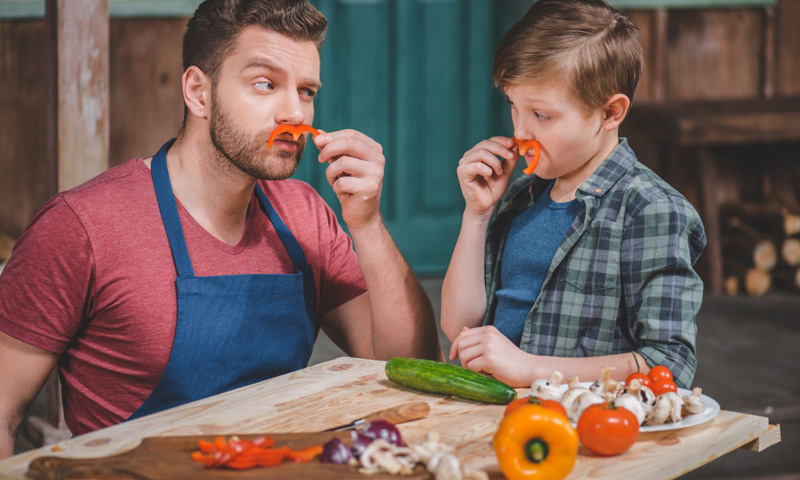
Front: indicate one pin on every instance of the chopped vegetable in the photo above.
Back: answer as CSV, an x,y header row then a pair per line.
x,y
643,379
535,443
663,386
524,147
241,454
385,430
335,451
606,429
295,130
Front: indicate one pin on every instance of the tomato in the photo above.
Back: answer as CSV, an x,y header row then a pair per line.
x,y
548,404
638,376
659,372
664,386
606,429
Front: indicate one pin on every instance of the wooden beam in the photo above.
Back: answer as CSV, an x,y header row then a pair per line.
x,y
78,88
769,78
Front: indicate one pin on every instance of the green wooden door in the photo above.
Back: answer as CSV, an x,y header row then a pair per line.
x,y
415,75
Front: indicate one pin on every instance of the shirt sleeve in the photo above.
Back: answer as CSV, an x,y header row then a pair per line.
x,y
342,280
44,288
663,292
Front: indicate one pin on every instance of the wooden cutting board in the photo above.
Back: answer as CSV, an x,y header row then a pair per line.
x,y
168,458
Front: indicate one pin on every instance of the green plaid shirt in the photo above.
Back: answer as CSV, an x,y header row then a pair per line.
x,y
622,279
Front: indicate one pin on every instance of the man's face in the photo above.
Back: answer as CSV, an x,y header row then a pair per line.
x,y
549,113
267,79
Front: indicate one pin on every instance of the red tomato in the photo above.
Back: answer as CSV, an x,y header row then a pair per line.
x,y
607,430
664,386
638,376
548,404
659,372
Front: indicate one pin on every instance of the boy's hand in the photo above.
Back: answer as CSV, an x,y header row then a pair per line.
x,y
483,177
485,349
355,173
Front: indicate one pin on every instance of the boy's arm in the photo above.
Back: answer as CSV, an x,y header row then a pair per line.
x,y
483,179
464,290
662,290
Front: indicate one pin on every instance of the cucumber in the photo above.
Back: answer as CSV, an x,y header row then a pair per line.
x,y
445,379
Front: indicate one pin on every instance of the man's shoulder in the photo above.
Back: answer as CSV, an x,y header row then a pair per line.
x,y
112,185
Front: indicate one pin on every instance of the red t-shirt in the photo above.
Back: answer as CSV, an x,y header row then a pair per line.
x,y
92,279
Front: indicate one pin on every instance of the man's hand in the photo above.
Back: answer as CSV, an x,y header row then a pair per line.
x,y
483,177
355,173
485,349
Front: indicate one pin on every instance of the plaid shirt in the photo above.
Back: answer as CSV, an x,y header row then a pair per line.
x,y
622,279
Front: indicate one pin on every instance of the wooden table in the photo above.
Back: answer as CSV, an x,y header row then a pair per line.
x,y
341,390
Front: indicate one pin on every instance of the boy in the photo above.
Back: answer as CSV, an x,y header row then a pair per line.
x,y
588,262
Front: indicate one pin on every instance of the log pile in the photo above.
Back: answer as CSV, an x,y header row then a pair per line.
x,y
761,247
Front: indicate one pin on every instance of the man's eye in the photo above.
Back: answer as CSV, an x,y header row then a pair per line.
x,y
308,92
265,86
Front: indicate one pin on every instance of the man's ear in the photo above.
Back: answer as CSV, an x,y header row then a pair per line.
x,y
615,110
197,92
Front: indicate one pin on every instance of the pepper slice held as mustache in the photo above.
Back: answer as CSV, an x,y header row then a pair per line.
x,y
295,130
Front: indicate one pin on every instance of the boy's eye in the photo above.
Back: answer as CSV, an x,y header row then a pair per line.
x,y
540,116
264,86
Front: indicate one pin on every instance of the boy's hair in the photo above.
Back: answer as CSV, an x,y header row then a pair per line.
x,y
587,43
213,29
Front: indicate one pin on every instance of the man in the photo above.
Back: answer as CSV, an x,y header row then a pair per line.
x,y
203,269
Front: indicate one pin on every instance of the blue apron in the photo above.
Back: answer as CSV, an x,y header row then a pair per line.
x,y
231,330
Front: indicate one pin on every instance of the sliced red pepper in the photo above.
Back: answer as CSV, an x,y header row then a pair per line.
x,y
295,130
304,456
526,145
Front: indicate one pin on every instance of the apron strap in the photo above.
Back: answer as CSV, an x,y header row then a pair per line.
x,y
295,251
169,212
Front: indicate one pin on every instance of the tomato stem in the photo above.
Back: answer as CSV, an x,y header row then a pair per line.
x,y
536,450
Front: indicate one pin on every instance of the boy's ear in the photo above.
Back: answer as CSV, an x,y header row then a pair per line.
x,y
615,110
197,92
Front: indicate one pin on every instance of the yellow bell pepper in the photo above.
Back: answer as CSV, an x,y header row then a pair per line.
x,y
535,443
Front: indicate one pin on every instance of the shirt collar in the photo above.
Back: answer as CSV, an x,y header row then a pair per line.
x,y
610,171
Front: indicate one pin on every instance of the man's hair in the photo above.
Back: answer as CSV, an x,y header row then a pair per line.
x,y
212,31
588,44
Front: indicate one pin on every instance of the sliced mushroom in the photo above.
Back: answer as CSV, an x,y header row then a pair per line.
x,y
693,403
548,389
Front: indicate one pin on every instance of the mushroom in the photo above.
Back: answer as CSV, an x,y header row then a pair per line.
x,y
693,403
660,412
574,390
589,398
676,405
548,389
632,401
603,379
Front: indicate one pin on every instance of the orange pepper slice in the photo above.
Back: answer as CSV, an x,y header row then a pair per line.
x,y
526,145
295,130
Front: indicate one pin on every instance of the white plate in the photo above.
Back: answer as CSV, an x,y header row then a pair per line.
x,y
711,411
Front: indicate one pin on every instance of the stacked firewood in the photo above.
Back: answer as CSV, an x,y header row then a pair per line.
x,y
761,248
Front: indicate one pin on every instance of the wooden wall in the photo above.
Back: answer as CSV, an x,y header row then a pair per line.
x,y
693,54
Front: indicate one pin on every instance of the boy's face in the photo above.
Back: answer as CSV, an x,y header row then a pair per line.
x,y
266,80
570,136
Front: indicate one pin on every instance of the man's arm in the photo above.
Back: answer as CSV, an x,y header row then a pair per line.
x,y
23,371
395,317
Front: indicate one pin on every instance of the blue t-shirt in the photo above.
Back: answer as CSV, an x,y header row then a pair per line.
x,y
532,240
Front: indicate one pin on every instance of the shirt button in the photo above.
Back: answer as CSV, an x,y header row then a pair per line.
x,y
598,190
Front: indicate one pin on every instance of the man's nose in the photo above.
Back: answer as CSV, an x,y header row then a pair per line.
x,y
290,109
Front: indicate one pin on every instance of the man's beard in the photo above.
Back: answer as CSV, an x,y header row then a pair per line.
x,y
246,153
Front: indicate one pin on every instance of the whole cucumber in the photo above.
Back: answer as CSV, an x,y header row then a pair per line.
x,y
445,379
